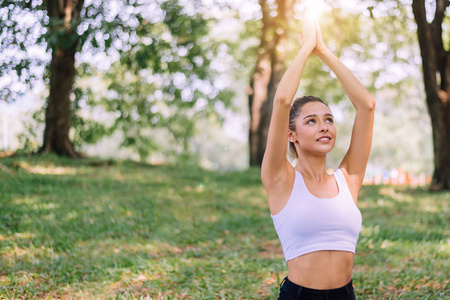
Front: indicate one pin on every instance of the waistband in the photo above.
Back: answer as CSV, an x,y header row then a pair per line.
x,y
295,290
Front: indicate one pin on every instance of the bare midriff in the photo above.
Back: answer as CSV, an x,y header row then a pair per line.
x,y
321,269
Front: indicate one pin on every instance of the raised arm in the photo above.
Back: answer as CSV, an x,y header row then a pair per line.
x,y
275,166
355,160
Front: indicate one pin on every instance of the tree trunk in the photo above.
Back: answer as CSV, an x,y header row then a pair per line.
x,y
62,72
270,67
436,61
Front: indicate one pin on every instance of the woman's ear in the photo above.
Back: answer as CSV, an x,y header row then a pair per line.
x,y
291,136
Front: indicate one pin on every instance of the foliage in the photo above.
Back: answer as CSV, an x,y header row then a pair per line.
x,y
158,61
159,66
29,138
166,80
124,230
20,62
87,130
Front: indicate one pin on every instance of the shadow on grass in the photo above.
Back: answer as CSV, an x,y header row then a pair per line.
x,y
402,250
400,213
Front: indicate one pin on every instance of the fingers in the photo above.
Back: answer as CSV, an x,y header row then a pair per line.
x,y
316,22
306,10
307,20
307,16
320,45
309,31
318,31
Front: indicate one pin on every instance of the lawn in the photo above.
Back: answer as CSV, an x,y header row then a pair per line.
x,y
93,229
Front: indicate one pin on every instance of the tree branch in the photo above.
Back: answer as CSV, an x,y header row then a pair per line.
x,y
439,13
436,31
53,8
426,46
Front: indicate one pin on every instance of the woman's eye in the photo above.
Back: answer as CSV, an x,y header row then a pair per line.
x,y
311,121
329,120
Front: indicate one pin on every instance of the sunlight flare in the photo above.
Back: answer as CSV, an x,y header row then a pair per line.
x,y
317,7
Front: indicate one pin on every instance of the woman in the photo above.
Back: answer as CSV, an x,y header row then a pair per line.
x,y
315,214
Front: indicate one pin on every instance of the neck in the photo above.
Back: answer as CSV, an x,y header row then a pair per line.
x,y
313,167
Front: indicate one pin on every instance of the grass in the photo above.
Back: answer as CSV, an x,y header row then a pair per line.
x,y
90,229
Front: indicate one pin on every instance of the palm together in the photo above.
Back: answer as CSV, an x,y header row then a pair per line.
x,y
311,38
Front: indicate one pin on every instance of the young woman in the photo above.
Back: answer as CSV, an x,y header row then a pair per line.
x,y
315,214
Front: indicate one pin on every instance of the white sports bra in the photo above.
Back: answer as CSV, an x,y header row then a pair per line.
x,y
308,223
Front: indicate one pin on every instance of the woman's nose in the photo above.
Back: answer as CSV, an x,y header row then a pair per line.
x,y
324,127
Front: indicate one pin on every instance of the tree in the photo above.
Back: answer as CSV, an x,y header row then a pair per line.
x,y
436,76
433,44
270,67
161,77
64,18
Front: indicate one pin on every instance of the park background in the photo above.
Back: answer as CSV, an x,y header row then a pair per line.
x,y
167,202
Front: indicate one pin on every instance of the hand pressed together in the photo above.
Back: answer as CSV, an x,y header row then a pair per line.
x,y
308,38
311,37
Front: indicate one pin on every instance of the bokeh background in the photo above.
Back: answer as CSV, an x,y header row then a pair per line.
x,y
157,81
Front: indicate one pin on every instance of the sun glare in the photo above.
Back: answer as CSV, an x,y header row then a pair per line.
x,y
316,7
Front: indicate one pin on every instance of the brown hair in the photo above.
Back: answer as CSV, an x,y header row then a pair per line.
x,y
296,109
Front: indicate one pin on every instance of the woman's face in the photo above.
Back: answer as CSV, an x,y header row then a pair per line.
x,y
315,132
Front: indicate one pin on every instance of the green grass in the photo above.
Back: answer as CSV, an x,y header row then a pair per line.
x,y
89,229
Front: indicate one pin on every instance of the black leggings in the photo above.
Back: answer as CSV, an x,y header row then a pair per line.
x,y
292,291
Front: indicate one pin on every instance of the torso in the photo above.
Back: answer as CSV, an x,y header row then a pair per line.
x,y
321,269
326,269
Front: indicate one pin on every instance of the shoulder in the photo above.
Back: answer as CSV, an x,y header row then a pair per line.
x,y
352,185
274,177
278,188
